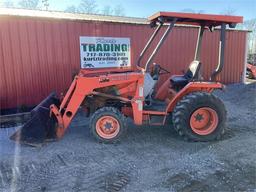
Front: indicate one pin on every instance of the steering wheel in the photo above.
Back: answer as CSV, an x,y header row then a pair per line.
x,y
157,70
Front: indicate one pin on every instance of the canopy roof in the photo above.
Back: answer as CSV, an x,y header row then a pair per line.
x,y
196,19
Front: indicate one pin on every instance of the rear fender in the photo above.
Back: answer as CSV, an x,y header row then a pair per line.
x,y
193,87
162,92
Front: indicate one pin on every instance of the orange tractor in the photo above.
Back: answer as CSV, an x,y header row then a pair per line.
x,y
251,71
112,95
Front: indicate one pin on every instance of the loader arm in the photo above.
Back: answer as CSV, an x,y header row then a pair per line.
x,y
83,86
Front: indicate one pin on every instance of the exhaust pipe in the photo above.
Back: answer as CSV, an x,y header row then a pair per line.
x,y
221,53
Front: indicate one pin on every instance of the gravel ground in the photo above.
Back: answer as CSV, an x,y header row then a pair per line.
x,y
147,159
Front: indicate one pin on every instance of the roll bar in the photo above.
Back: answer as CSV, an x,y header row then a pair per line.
x,y
199,43
166,33
197,51
153,54
148,43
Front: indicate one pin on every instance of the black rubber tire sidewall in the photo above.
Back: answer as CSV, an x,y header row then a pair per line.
x,y
188,105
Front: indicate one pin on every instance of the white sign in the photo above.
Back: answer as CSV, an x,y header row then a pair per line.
x,y
102,52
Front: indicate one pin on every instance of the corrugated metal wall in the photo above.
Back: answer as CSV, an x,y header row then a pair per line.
x,y
38,56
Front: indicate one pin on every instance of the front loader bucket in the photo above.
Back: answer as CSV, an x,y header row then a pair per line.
x,y
40,126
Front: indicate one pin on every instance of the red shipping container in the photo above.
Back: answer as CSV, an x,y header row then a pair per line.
x,y
40,51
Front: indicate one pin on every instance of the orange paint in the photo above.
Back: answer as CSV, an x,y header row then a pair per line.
x,y
107,127
204,121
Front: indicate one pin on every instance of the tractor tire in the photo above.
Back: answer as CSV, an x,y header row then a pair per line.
x,y
200,116
108,125
249,74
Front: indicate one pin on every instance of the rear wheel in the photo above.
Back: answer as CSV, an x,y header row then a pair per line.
x,y
107,125
200,116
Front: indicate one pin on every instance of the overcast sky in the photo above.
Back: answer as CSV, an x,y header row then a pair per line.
x,y
144,8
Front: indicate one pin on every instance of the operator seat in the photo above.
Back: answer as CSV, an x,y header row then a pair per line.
x,y
192,73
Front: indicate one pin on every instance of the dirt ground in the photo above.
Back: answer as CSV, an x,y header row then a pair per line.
x,y
147,159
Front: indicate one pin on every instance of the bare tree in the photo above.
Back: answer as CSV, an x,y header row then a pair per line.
x,y
88,6
119,10
71,9
107,10
6,3
188,10
45,4
251,26
29,4
91,7
192,11
228,11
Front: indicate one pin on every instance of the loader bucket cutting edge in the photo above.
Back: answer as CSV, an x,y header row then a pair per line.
x,y
41,126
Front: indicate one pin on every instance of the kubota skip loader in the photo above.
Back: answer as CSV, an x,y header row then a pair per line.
x,y
111,95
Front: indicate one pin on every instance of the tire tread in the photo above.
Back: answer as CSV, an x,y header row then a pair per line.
x,y
181,112
112,111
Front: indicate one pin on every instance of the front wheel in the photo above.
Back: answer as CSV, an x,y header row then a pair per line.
x,y
200,116
107,125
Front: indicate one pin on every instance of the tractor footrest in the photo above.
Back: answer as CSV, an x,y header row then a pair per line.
x,y
156,120
156,106
155,117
